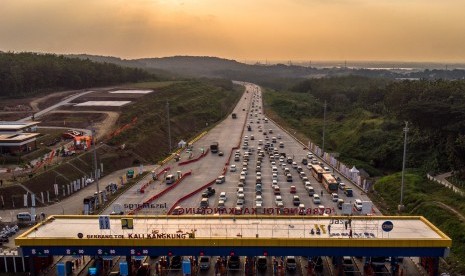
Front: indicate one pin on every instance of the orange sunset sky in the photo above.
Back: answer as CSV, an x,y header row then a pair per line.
x,y
382,30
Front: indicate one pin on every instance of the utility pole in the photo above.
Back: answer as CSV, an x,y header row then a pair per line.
x,y
324,128
169,127
95,163
401,205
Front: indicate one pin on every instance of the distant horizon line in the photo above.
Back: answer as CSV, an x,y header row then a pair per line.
x,y
263,61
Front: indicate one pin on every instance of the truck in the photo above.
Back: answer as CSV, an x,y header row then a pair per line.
x,y
234,116
214,147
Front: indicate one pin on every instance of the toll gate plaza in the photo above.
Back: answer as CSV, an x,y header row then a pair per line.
x,y
239,235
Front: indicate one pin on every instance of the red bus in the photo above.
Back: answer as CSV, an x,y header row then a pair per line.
x,y
317,172
330,183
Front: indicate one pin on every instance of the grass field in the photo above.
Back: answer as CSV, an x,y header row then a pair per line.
x,y
360,134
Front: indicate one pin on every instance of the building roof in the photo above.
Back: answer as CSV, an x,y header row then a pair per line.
x,y
5,125
17,137
407,230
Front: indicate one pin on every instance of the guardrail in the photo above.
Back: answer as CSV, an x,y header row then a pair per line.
x,y
446,184
150,200
195,159
225,168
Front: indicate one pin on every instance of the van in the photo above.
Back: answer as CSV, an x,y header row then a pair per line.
x,y
170,179
24,217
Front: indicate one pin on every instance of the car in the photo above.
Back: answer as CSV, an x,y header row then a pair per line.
x,y
220,153
232,168
274,176
340,202
221,179
234,262
276,190
302,210
259,199
304,161
316,199
204,263
240,203
237,158
176,262
293,190
334,197
294,165
223,196
290,263
309,155
252,137
244,171
342,186
261,263
278,200
296,200
241,196
209,192
358,204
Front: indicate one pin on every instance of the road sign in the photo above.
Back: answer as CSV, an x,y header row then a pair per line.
x,y
127,223
104,222
387,226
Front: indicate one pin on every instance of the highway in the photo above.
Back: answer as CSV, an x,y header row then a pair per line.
x,y
230,134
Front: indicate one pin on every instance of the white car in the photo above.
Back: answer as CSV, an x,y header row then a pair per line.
x,y
232,168
275,176
316,199
220,179
259,199
358,204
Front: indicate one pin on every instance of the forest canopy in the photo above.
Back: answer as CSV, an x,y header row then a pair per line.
x,y
26,74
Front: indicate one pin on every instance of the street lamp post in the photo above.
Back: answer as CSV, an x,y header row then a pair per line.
x,y
95,164
324,129
401,205
169,126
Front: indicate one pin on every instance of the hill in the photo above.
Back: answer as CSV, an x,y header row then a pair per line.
x,y
268,74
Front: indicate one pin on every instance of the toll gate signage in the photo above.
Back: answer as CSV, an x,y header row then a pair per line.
x,y
387,226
